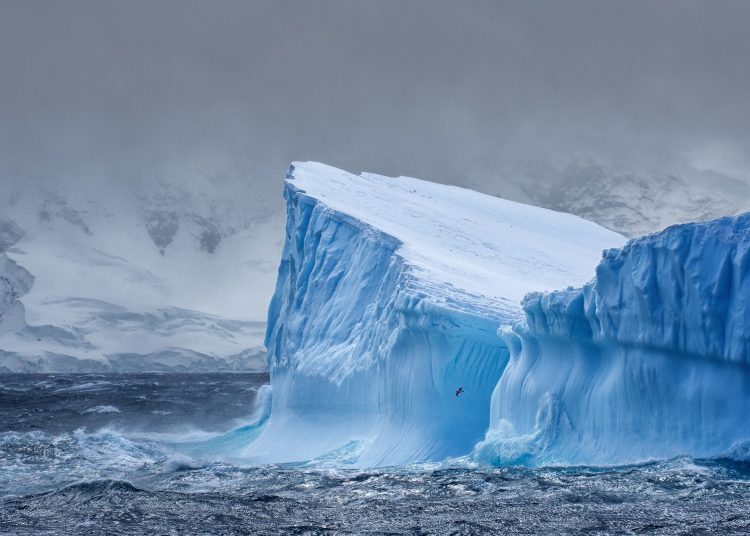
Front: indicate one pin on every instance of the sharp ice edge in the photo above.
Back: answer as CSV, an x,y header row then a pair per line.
x,y
389,297
648,360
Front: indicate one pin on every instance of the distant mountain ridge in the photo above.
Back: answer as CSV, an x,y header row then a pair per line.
x,y
631,200
175,278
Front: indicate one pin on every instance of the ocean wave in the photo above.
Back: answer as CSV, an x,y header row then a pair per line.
x,y
101,409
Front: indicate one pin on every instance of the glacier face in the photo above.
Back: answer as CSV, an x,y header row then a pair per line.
x,y
389,296
648,360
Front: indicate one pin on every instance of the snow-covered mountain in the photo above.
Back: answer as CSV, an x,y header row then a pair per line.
x,y
630,198
173,276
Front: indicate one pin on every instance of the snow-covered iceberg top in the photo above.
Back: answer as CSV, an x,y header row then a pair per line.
x,y
388,301
486,251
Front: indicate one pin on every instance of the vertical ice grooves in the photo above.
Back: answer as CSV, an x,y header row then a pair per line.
x,y
651,359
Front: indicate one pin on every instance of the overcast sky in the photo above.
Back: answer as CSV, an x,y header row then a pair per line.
x,y
425,88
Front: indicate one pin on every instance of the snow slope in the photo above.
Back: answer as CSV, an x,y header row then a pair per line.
x,y
163,275
649,360
389,297
15,282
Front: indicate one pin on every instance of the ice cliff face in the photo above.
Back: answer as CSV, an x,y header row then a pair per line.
x,y
648,360
389,297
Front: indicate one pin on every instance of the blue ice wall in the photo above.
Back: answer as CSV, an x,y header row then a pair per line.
x,y
649,360
360,356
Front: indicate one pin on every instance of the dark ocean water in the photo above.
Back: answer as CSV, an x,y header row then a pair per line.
x,y
147,454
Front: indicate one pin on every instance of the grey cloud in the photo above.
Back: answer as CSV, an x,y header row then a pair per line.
x,y
128,89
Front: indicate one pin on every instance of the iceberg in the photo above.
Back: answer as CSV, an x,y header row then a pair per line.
x,y
648,360
389,298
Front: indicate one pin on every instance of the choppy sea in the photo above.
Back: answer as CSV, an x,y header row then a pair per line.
x,y
147,454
